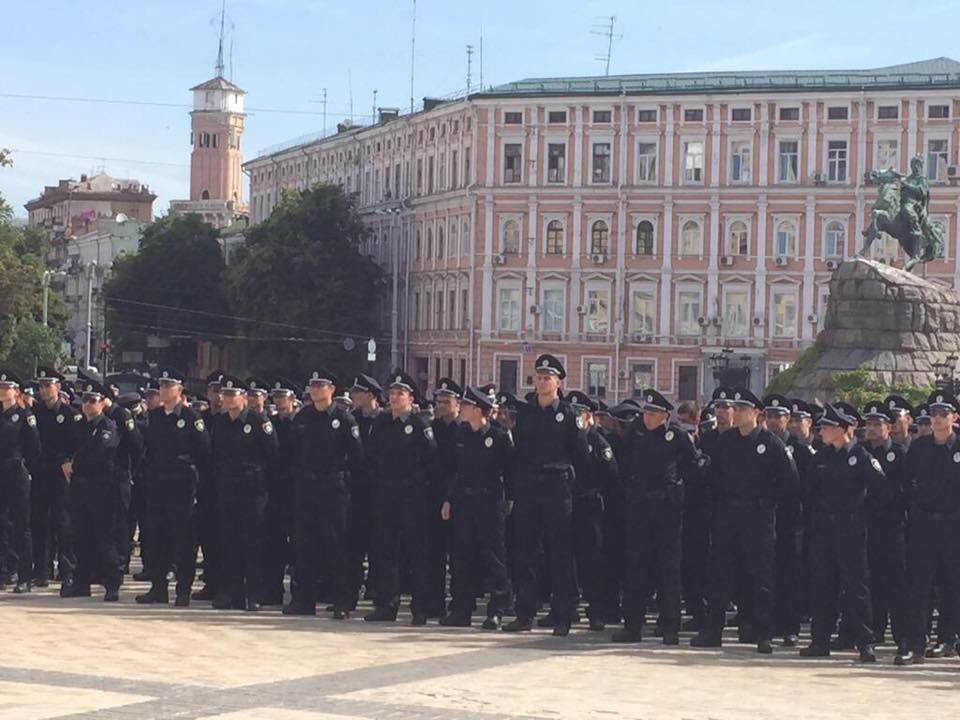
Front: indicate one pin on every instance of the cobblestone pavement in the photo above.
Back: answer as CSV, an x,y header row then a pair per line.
x,y
81,658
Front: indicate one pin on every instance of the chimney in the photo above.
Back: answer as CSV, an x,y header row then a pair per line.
x,y
83,178
388,114
431,103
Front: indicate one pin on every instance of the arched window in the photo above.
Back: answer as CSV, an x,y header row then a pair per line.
x,y
834,239
691,239
555,238
204,195
465,237
738,240
454,239
416,246
645,238
599,238
440,241
511,237
429,243
785,240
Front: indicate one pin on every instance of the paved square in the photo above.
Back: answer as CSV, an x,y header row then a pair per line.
x,y
82,658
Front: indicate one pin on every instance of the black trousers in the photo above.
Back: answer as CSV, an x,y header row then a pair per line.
x,y
479,552
654,534
887,561
139,519
588,552
788,568
933,546
697,519
439,543
170,505
321,503
278,543
543,521
121,521
50,521
743,536
96,511
242,504
401,537
209,533
360,541
838,560
15,504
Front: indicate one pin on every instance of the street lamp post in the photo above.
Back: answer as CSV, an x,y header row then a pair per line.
x,y
48,275
91,272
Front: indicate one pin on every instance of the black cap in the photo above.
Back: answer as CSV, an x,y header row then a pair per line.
x,y
508,400
401,380
474,396
897,405
922,414
215,377
446,386
152,386
776,403
850,411
257,385
129,400
48,374
940,400
8,378
88,375
169,375
231,383
708,419
89,387
547,363
365,383
744,398
876,410
799,409
321,376
602,408
626,411
834,416
581,401
652,400
285,385
722,394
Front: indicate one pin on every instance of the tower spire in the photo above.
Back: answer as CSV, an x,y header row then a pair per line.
x,y
223,13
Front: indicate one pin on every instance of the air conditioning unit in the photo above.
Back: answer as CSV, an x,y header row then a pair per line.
x,y
599,258
702,320
813,319
642,337
534,309
499,259
727,261
716,320
819,179
581,310
832,264
953,171
758,320
781,261
622,374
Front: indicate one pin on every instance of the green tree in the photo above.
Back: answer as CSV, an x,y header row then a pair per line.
x,y
171,289
301,276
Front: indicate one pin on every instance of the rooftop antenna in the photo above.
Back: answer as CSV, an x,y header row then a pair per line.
x,y
413,50
607,32
350,89
223,13
469,65
373,110
481,59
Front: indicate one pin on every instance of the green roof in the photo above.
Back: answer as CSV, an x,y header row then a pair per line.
x,y
935,73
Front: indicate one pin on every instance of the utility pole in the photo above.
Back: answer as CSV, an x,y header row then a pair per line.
x,y
413,52
469,66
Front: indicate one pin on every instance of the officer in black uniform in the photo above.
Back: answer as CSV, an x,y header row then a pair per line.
x,y
50,519
19,445
406,465
96,506
177,444
478,495
933,472
278,547
327,447
367,394
208,506
843,476
886,528
901,417
446,427
243,450
138,496
257,390
657,457
551,450
753,472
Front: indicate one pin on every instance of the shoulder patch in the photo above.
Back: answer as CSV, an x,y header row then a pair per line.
x,y
355,431
428,431
32,420
268,428
130,424
607,454
105,435
78,417
876,464
198,424
789,450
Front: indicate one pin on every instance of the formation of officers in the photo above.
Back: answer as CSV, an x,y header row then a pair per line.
x,y
776,509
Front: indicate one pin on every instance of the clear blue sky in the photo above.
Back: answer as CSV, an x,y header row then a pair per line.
x,y
286,51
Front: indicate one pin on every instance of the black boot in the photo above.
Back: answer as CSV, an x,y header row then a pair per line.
x,y
520,624
156,595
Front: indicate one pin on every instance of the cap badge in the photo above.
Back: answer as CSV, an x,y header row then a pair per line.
x,y
775,402
165,374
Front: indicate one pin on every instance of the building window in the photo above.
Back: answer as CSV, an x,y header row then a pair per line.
x,y
415,319
513,118
599,238
888,154
512,157
646,162
788,161
738,239
440,247
938,154
552,316
598,310
642,376
465,309
888,112
644,238
938,112
740,151
647,116
839,112
789,114
454,168
785,240
466,166
735,313
419,175
688,312
429,243
740,115
602,116
439,322
427,311
430,175
693,115
511,237
597,379
693,161
834,239
556,163
508,309
416,246
554,238
837,160
644,311
204,139
784,314
601,162
557,116
691,239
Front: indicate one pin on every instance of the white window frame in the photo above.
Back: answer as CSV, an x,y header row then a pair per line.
x,y
784,291
635,221
826,159
789,106
553,286
938,101
681,224
891,102
647,140
936,136
729,221
740,106
514,286
777,221
683,114
684,141
602,108
503,154
548,141
564,224
826,112
502,239
601,140
647,108
630,362
588,240
585,362
598,286
651,289
680,290
879,138
728,290
735,140
782,139
825,222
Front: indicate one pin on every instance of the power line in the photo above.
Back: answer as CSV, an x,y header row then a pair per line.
x,y
131,161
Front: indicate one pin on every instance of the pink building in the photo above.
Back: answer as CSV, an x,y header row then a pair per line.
x,y
638,226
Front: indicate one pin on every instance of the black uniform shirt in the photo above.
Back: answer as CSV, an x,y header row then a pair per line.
x,y
175,438
752,467
96,451
18,435
406,452
326,442
658,461
549,439
482,461
58,427
843,479
933,472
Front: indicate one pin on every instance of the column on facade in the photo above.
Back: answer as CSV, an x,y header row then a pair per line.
x,y
575,254
715,142
764,140
760,281
666,269
486,321
809,243
531,274
712,301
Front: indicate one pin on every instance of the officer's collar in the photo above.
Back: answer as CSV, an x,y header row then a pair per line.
x,y
372,414
452,421
176,410
951,439
850,444
552,407
752,435
98,419
783,435
403,417
11,410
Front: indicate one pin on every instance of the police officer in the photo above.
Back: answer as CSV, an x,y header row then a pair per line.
x,y
446,427
752,473
177,444
96,505
50,519
243,449
657,457
551,449
19,445
257,390
886,527
933,471
406,465
138,496
477,500
843,476
208,507
901,416
278,545
327,447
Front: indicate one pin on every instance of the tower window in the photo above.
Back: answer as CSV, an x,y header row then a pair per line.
x,y
205,195
215,144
